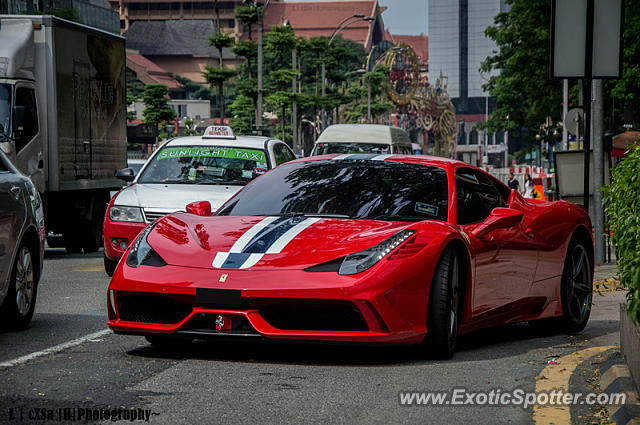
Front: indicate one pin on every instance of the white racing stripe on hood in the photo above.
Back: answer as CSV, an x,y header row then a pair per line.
x,y
244,240
283,240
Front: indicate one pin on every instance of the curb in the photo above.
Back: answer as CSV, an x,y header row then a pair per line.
x,y
616,378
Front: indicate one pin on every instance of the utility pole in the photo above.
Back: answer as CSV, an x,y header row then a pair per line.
x,y
294,105
259,103
598,171
565,110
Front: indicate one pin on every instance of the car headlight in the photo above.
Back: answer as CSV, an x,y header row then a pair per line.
x,y
141,252
363,260
120,213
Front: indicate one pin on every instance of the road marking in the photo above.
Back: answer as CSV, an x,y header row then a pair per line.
x,y
89,269
54,349
555,377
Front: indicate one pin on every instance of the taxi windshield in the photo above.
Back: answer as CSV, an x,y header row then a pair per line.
x,y
351,147
205,165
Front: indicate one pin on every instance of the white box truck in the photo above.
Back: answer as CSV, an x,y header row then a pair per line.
x,y
63,119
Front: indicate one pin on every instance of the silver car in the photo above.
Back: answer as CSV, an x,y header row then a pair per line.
x,y
21,246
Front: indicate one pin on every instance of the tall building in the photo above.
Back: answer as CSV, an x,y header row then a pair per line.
x,y
457,47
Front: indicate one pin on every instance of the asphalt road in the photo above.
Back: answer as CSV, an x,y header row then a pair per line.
x,y
262,383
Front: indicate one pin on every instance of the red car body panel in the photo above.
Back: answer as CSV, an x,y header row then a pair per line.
x,y
512,274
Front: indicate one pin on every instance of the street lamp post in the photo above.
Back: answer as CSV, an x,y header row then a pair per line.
x,y
345,23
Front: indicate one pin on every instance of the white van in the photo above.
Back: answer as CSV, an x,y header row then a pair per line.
x,y
362,138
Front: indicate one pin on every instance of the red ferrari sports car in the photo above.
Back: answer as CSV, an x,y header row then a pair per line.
x,y
361,248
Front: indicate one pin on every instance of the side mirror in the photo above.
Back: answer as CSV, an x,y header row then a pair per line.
x,y
200,208
500,218
125,174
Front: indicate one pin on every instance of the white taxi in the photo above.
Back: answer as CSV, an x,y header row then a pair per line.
x,y
212,167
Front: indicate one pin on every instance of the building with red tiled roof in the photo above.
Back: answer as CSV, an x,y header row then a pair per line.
x,y
419,44
149,72
321,18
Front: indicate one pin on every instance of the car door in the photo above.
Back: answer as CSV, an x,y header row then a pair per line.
x,y
498,279
12,216
28,136
282,153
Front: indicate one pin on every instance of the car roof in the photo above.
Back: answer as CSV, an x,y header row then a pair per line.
x,y
409,159
255,142
364,133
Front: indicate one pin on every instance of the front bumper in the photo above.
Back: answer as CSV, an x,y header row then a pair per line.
x,y
388,306
116,232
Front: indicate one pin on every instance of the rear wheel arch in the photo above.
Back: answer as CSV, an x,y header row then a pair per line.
x,y
582,234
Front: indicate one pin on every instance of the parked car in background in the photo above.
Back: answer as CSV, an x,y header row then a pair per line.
x,y
21,246
212,167
362,138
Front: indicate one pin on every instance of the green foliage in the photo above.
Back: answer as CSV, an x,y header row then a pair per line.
x,y
190,128
220,40
246,49
68,13
156,110
194,90
217,75
131,115
280,41
242,114
247,15
623,199
524,93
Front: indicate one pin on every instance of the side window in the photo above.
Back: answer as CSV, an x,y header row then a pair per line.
x,y
476,195
26,104
282,154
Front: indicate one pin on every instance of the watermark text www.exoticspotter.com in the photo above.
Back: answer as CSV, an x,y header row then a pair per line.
x,y
499,397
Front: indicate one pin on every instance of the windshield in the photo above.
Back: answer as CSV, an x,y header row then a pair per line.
x,y
5,109
327,148
205,165
346,189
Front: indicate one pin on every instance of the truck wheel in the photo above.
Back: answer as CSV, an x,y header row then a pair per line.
x,y
92,238
109,266
72,242
17,309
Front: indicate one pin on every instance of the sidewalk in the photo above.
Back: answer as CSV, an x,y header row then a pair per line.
x,y
605,271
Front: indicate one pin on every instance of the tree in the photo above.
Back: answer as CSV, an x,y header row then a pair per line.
x,y
247,16
247,50
131,99
280,41
156,109
217,76
525,95
242,114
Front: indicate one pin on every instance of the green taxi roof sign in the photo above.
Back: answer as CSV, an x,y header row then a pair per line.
x,y
218,132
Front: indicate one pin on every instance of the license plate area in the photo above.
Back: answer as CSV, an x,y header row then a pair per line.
x,y
221,298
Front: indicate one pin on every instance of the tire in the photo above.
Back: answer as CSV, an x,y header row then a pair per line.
x,y
576,291
167,341
72,242
109,266
17,309
92,236
444,307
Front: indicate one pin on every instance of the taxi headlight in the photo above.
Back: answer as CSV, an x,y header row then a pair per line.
x,y
363,260
120,213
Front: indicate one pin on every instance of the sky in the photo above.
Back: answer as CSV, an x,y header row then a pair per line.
x,y
405,17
